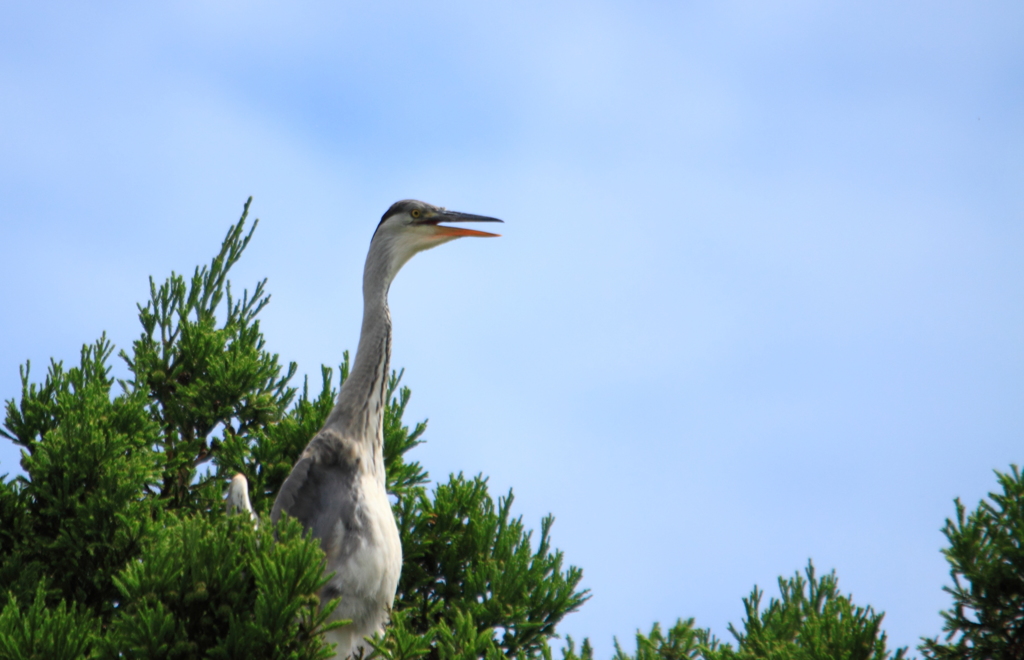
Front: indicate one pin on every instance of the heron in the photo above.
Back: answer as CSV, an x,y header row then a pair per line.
x,y
337,488
237,497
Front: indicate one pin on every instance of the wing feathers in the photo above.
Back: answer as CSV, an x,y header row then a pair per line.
x,y
322,490
290,489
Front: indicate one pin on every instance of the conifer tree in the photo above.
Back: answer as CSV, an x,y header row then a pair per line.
x,y
115,544
811,620
986,558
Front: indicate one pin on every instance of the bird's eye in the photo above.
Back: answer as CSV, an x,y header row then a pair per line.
x,y
415,213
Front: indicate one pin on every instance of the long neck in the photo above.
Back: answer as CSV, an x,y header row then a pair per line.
x,y
359,413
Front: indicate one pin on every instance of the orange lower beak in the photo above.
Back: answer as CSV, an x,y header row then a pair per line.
x,y
442,230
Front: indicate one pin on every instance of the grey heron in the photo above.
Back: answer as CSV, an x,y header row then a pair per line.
x,y
337,487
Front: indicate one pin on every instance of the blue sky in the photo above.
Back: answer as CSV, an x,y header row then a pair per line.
x,y
758,298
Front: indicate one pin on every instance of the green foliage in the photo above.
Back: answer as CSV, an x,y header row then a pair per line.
x,y
39,632
456,637
117,537
683,642
811,621
78,517
509,585
986,557
201,373
220,589
404,479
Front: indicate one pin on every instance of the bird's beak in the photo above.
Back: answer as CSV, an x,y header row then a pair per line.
x,y
455,216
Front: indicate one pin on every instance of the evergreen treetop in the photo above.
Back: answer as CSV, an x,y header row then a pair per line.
x,y
986,558
116,536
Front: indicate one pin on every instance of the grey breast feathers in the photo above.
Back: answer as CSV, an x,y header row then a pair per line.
x,y
322,490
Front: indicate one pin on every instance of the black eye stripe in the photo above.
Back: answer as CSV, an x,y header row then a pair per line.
x,y
400,206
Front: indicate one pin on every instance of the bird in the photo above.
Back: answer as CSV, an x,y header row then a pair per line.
x,y
337,487
238,498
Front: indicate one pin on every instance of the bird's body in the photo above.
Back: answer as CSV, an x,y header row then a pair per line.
x,y
337,488
238,498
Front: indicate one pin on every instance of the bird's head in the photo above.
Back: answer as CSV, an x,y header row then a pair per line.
x,y
411,226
